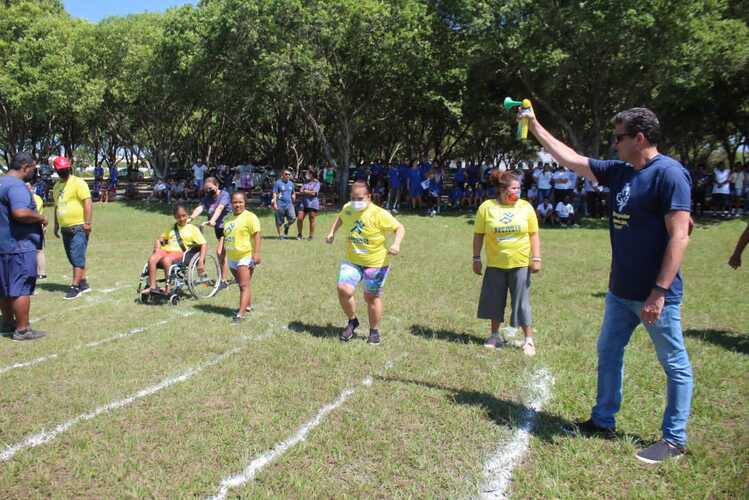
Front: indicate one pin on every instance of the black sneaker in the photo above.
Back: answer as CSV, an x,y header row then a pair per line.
x,y
223,285
374,338
348,332
237,319
28,334
41,277
84,286
592,429
73,292
299,237
286,229
660,451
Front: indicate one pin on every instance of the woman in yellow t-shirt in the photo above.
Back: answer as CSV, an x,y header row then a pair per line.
x,y
507,229
367,257
242,245
167,248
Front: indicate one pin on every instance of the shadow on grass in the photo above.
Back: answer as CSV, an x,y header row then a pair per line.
x,y
547,426
52,287
446,335
598,295
732,341
228,312
319,331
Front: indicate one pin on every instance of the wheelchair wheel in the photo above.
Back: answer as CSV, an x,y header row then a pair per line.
x,y
174,299
206,285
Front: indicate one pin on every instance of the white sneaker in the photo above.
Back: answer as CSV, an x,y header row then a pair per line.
x,y
528,348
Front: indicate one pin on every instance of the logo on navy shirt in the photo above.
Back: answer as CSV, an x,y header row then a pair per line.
x,y
622,198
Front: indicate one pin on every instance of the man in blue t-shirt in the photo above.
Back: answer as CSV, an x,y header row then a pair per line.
x,y
649,203
20,238
283,203
394,187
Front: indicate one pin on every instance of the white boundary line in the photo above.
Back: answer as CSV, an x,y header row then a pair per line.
x,y
96,343
498,469
259,462
46,436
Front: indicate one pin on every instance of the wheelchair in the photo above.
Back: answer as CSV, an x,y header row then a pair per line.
x,y
183,280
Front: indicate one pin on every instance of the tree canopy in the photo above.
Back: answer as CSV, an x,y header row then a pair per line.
x,y
293,82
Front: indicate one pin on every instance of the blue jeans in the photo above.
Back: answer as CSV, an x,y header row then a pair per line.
x,y
620,319
75,241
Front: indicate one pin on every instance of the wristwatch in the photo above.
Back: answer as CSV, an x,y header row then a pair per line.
x,y
660,288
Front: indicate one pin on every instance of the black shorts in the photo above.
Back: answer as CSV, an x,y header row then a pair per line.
x,y
219,232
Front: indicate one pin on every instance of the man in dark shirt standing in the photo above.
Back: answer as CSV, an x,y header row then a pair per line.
x,y
20,238
649,222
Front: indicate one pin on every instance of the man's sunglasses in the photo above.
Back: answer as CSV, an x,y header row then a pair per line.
x,y
619,137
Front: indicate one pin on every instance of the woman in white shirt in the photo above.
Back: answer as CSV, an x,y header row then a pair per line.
x,y
721,189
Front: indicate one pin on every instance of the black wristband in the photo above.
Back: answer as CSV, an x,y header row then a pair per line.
x,y
660,289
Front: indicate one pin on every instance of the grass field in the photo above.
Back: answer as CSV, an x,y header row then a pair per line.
x,y
417,416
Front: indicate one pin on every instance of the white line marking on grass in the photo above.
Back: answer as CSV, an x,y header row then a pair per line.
x,y
96,343
45,436
498,469
259,463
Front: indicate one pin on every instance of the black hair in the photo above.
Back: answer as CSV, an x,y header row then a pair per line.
x,y
363,184
177,207
21,160
639,120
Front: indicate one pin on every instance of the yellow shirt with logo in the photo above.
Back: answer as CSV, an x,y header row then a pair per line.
x,y
191,237
69,197
39,202
365,233
238,232
506,229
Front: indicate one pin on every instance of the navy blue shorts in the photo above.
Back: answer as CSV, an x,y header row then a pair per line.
x,y
17,274
75,241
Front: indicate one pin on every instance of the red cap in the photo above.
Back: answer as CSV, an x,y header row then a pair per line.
x,y
61,163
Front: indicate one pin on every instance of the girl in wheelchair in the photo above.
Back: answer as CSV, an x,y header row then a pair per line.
x,y
170,247
242,245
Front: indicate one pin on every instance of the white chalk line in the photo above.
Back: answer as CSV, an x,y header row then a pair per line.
x,y
258,463
46,436
96,343
498,469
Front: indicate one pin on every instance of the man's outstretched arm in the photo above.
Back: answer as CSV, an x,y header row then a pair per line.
x,y
562,153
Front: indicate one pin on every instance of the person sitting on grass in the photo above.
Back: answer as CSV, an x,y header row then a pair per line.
x,y
565,212
171,246
367,257
242,246
545,211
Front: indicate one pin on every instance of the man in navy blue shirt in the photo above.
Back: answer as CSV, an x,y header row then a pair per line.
x,y
649,223
20,238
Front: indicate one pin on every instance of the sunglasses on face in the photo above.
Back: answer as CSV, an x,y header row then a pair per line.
x,y
618,137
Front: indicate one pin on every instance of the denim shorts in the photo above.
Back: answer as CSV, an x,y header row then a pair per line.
x,y
286,213
17,274
75,241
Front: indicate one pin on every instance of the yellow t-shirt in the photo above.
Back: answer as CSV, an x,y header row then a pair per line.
x,y
191,237
365,234
39,202
506,229
238,232
69,198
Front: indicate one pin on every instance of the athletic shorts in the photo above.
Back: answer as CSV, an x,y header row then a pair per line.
x,y
75,241
218,232
374,277
175,256
244,261
17,274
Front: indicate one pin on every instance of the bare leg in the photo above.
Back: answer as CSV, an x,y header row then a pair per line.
x,y
495,325
79,274
242,274
223,262
300,223
375,310
153,262
21,307
346,298
312,224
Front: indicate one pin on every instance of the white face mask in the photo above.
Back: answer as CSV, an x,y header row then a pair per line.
x,y
359,205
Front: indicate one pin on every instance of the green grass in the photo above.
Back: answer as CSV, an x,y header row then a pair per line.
x,y
424,428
